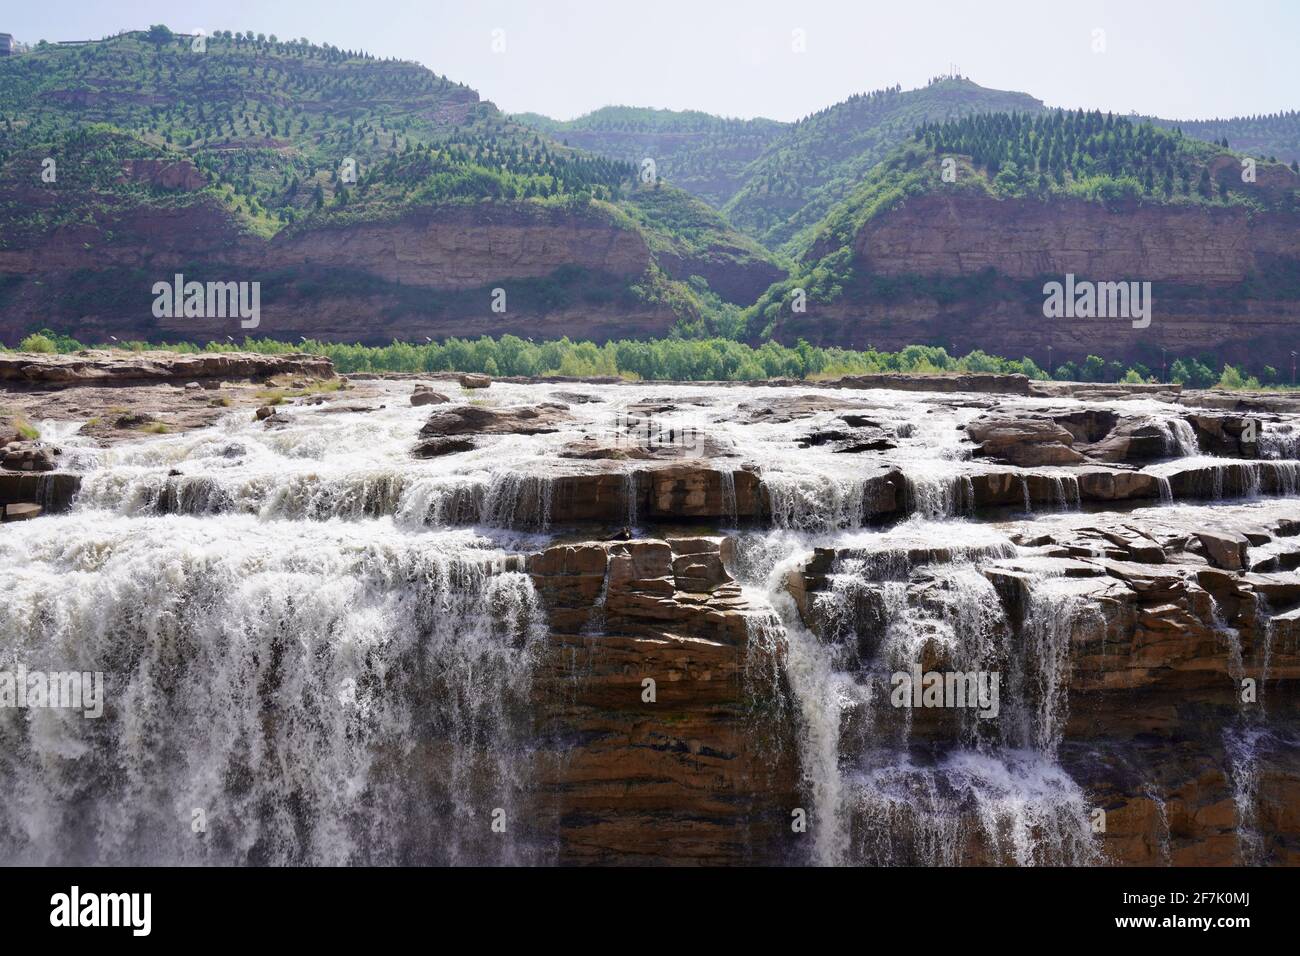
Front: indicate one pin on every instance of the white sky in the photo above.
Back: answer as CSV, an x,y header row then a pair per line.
x,y
1189,59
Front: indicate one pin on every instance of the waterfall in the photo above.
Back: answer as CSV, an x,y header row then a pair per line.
x,y
630,493
1286,476
1181,438
882,790
1162,817
811,502
1280,441
500,499
939,496
727,477
1243,744
284,684
1164,489
972,807
1065,492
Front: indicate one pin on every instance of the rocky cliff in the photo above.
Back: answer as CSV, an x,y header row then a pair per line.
x,y
725,580
967,271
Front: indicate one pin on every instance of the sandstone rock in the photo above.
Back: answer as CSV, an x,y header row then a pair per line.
x,y
474,380
789,408
22,511
1129,441
484,420
117,367
133,420
1024,440
437,447
1225,549
921,382
1227,435
29,456
54,491
424,395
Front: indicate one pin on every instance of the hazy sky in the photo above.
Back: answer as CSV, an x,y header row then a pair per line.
x,y
1182,60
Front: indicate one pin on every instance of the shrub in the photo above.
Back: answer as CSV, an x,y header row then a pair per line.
x,y
37,342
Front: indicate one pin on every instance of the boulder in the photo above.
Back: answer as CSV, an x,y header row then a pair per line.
x,y
474,380
1225,549
424,395
437,447
484,420
1025,440
29,456
22,511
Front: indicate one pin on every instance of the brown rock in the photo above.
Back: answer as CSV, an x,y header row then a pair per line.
x,y
437,447
484,420
29,456
424,395
1225,549
22,511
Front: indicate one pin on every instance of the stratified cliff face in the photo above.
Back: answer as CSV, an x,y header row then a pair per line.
x,y
464,246
406,230
702,596
959,234
964,270
431,272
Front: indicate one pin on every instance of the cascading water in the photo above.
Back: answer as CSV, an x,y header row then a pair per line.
x,y
282,684
883,789
1281,441
328,647
1181,438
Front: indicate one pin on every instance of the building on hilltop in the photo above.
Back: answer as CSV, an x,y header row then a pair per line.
x,y
6,44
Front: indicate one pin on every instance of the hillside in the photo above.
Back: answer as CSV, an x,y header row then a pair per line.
x,y
242,153
910,258
819,160
705,155
776,181
1273,136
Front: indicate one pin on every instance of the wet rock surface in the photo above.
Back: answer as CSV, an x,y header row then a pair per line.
x,y
769,560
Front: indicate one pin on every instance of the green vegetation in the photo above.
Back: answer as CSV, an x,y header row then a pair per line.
x,y
1045,156
703,154
685,360
1275,135
1105,158
775,181
17,424
821,159
283,134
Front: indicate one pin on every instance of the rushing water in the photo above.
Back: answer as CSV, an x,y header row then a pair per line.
x,y
317,649
279,684
882,790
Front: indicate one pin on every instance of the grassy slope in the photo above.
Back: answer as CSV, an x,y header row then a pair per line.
x,y
1045,157
705,155
820,160
270,125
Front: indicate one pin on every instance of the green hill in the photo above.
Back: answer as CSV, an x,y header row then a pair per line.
x,y
1045,157
277,137
819,160
705,155
1272,136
